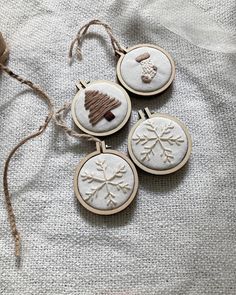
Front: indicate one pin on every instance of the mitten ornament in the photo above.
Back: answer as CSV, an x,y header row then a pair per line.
x,y
159,143
143,69
101,107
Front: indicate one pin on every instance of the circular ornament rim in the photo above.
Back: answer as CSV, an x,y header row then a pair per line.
x,y
163,88
167,171
126,203
106,133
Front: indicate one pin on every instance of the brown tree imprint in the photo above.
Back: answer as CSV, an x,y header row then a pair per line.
x,y
100,105
149,70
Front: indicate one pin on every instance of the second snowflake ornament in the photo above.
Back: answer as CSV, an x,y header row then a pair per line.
x,y
159,144
106,181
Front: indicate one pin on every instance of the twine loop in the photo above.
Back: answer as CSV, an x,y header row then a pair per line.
x,y
83,31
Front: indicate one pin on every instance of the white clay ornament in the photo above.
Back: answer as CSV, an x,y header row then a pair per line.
x,y
101,107
106,181
159,144
145,69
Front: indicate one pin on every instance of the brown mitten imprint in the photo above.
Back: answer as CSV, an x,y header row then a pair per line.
x,y
149,70
100,105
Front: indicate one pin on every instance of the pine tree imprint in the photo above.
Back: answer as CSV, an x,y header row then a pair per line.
x,y
104,181
149,70
153,137
100,105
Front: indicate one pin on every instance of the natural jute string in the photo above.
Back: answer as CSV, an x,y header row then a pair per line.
x,y
60,121
41,129
82,32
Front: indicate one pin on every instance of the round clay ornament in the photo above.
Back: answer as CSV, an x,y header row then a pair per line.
x,y
159,144
145,69
106,181
101,107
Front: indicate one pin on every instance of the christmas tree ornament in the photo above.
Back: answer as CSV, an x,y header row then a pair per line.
x,y
143,69
105,181
159,143
100,108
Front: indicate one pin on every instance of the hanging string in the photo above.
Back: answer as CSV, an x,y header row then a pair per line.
x,y
82,32
10,211
60,121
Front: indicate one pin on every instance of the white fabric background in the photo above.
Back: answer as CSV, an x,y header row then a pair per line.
x,y
179,235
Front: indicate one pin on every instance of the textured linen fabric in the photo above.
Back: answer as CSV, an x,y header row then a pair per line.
x,y
178,237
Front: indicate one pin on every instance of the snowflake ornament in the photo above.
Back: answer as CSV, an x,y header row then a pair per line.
x,y
102,180
160,144
106,183
163,138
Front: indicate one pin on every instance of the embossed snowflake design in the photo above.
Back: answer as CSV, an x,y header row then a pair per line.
x,y
165,139
103,180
